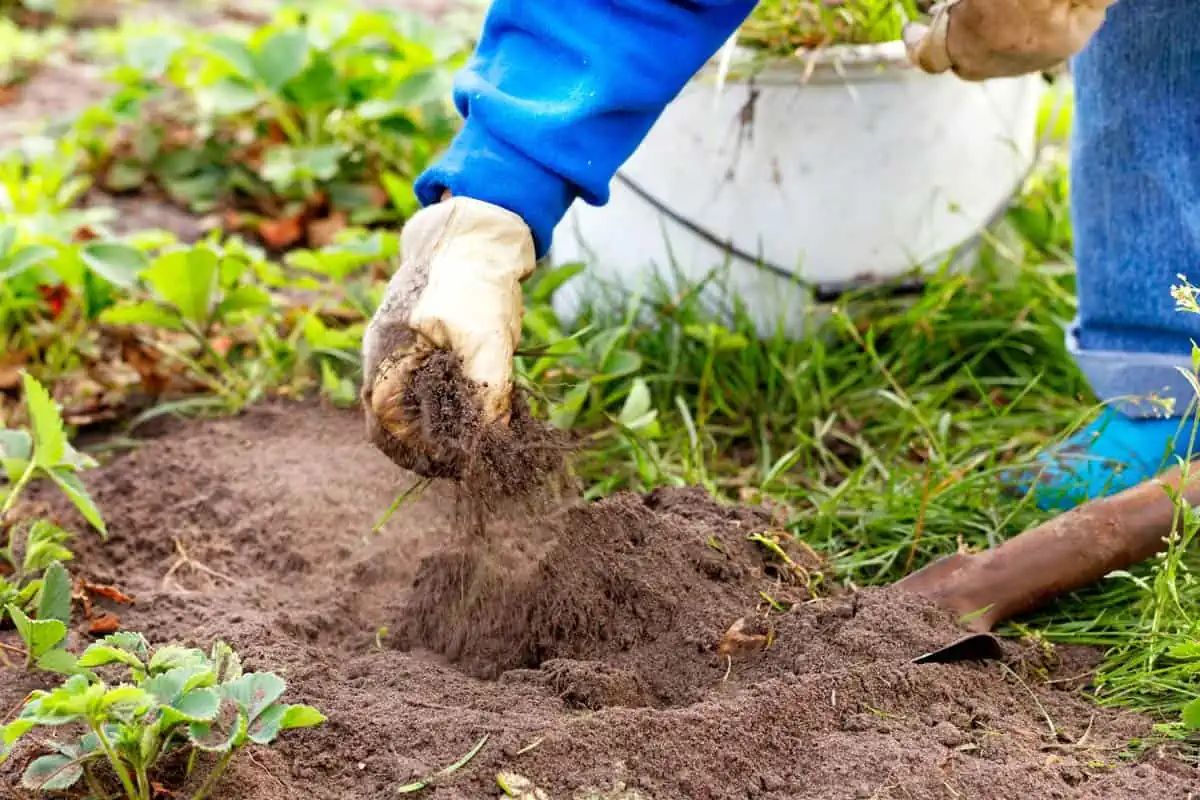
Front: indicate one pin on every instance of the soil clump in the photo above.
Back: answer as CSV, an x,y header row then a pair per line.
x,y
589,651
490,462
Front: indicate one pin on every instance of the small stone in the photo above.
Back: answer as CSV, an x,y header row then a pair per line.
x,y
949,736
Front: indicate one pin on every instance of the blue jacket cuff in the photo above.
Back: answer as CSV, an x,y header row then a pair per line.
x,y
482,167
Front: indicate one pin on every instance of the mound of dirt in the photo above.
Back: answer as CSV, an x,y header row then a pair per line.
x,y
594,653
625,579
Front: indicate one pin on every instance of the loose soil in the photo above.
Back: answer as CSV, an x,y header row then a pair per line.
x,y
586,646
523,460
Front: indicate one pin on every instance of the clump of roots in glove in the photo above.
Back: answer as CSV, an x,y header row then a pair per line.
x,y
523,461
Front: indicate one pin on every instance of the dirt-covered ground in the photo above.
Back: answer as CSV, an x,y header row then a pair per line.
x,y
586,644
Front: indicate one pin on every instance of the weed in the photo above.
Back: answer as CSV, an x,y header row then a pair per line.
x,y
782,27
176,699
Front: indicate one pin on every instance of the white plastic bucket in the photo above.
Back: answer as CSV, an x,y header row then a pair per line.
x,y
850,167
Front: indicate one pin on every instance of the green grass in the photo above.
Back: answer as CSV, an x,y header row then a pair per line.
x,y
783,27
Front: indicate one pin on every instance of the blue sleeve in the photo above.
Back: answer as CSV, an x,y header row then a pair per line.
x,y
559,94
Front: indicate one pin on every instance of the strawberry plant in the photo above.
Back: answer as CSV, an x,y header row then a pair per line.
x,y
176,699
41,584
22,52
317,120
44,452
32,578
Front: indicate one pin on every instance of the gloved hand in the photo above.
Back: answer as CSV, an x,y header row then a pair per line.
x,y
458,288
981,39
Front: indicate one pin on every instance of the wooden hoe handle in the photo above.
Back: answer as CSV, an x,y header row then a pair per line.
x,y
1059,556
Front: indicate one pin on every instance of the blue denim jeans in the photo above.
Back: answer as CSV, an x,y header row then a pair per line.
x,y
1135,197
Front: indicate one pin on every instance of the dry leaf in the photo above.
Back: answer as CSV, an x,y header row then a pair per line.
x,y
737,641
10,93
107,592
104,625
85,233
323,232
280,233
221,345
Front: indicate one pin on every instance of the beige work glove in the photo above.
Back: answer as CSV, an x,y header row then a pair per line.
x,y
458,289
981,39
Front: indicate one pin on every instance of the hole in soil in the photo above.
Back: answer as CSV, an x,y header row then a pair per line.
x,y
623,601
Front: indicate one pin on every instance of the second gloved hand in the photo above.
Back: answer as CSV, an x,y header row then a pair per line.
x,y
981,39
458,289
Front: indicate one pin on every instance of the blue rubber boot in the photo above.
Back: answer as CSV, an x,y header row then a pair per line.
x,y
1110,455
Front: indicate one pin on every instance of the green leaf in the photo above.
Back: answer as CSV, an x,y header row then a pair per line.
x,y
421,88
173,656
255,691
551,281
52,773
266,726
55,600
125,175
60,661
637,404
400,192
226,97
141,313
102,653
74,489
243,298
1191,715
187,279
117,263
75,698
43,548
320,162
126,700
49,438
301,716
16,445
40,635
198,705
564,414
11,733
235,54
618,365
24,259
151,55
167,687
1185,651
318,86
219,735
280,717
281,57
131,642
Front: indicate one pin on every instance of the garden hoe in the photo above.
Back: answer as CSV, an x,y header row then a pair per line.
x,y
1061,555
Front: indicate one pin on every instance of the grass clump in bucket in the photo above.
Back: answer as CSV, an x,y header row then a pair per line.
x,y
783,27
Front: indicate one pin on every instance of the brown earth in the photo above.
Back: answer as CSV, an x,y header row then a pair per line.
x,y
585,650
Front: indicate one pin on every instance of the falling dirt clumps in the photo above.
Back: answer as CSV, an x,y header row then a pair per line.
x,y
587,651
522,459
